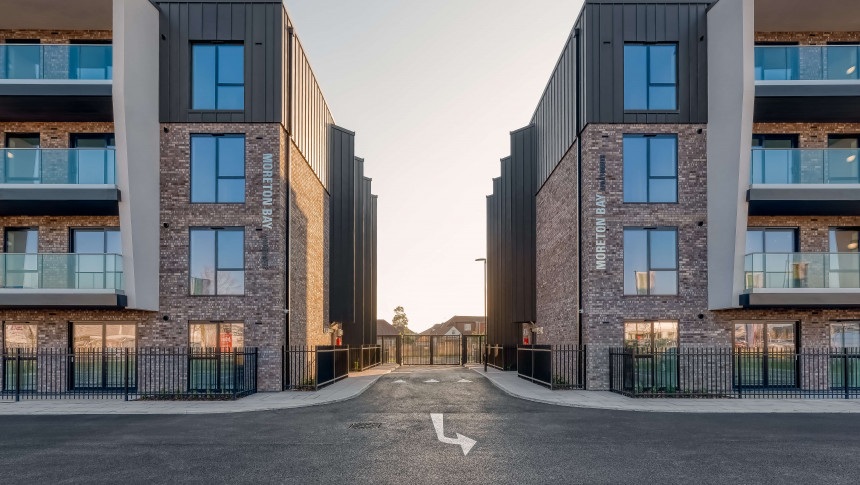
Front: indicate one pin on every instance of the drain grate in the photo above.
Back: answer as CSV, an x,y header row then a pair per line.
x,y
365,425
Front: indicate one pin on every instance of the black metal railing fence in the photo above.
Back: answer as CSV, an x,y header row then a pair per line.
x,y
364,357
554,366
309,368
129,374
736,373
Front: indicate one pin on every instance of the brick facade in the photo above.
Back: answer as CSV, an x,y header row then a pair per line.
x,y
56,36
808,38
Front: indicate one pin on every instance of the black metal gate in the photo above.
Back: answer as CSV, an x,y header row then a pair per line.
x,y
431,349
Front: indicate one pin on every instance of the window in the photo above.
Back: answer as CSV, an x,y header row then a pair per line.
x,y
224,336
651,261
22,336
23,59
21,268
218,168
218,261
648,336
19,336
22,159
650,168
218,77
842,59
776,61
99,361
92,161
97,264
767,354
841,161
845,335
775,159
844,260
650,77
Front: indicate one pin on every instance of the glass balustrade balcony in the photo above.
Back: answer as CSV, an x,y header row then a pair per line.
x,y
56,62
805,166
61,272
77,166
802,270
807,63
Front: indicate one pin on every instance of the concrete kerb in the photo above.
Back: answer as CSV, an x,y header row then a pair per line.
x,y
509,383
344,390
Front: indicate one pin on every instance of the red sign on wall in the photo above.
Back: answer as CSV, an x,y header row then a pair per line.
x,y
226,341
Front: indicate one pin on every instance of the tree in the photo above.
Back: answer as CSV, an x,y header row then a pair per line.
x,y
400,320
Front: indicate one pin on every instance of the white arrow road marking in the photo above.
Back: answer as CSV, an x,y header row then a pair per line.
x,y
431,380
463,441
400,381
464,380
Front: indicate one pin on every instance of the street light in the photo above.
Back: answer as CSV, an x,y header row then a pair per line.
x,y
486,323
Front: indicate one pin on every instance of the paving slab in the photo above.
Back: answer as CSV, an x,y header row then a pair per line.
x,y
348,388
515,386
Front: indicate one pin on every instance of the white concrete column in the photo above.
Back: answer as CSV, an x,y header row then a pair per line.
x,y
731,100
135,106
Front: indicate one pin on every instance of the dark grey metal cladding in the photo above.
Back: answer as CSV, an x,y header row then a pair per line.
x,y
557,118
608,25
825,298
58,200
804,200
258,25
807,102
343,226
80,299
368,319
353,333
374,314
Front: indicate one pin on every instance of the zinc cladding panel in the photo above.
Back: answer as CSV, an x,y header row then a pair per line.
x,y
367,261
555,118
342,291
609,26
523,161
259,26
310,113
373,301
358,338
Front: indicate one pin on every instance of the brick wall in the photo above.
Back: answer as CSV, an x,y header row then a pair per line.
x,y
56,36
605,307
309,254
557,261
808,38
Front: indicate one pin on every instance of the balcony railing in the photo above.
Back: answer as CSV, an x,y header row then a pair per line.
x,y
61,271
807,63
805,166
802,270
56,62
58,166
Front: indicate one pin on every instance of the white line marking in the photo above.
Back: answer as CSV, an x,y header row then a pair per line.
x,y
465,443
400,381
431,380
464,380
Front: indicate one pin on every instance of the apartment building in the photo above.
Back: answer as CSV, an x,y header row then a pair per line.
x,y
172,176
689,179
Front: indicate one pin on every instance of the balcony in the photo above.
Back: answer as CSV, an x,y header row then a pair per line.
x,y
819,280
804,182
61,281
55,82
815,84
77,181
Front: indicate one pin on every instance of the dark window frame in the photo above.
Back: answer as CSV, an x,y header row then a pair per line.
x,y
244,83
649,84
215,254
648,176
676,269
795,239
244,176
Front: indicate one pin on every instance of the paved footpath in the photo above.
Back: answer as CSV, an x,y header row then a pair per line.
x,y
523,389
351,387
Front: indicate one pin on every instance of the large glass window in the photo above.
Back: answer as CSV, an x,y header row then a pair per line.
x,y
96,267
100,351
645,336
765,354
650,168
23,59
776,61
213,366
93,161
218,77
844,260
845,335
21,269
19,343
218,168
22,159
218,261
650,77
841,162
844,361
775,160
771,269
651,261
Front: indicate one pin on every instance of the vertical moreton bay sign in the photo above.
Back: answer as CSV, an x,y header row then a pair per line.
x,y
600,219
268,190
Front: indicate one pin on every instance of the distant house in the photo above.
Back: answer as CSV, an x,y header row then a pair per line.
x,y
459,325
383,328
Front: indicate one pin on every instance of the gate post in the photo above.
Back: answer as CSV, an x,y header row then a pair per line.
x,y
432,348
464,346
17,375
398,349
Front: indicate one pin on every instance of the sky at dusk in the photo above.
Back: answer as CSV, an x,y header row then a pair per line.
x,y
432,90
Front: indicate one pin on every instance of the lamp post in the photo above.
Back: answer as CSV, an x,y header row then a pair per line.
x,y
486,323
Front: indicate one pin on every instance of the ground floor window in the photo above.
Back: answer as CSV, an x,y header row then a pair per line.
x,y
100,355
845,357
655,346
19,344
765,354
216,363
